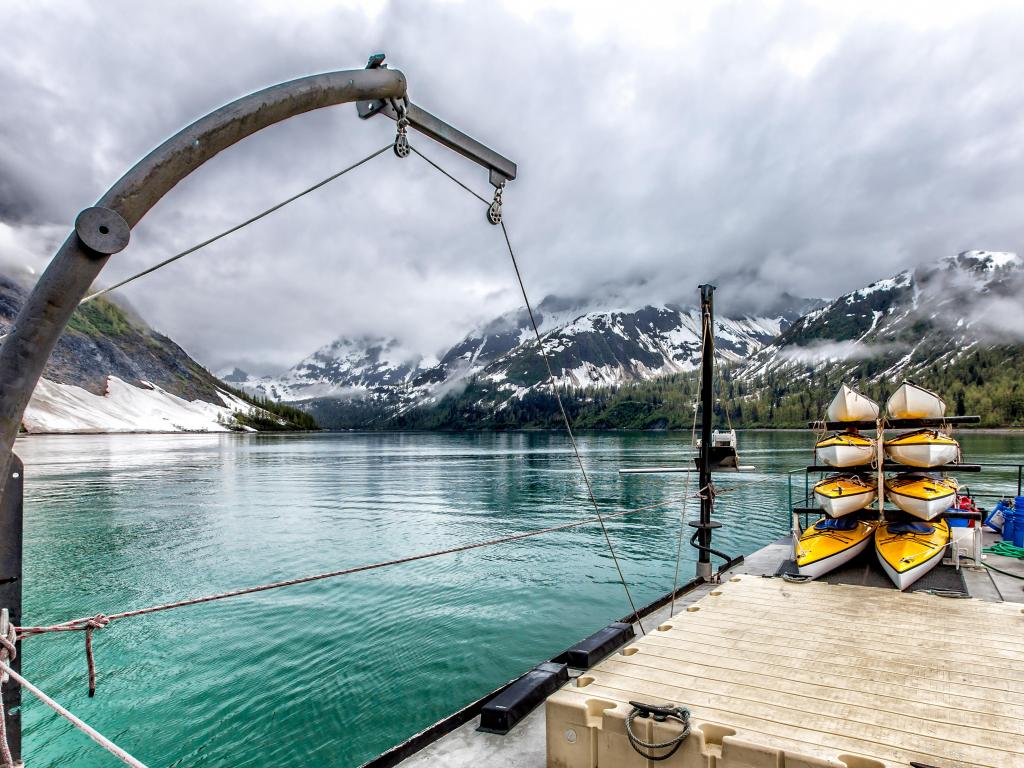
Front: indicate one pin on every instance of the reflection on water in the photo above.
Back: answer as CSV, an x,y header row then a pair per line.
x,y
334,672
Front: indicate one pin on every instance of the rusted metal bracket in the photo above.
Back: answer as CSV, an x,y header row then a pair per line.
x,y
500,169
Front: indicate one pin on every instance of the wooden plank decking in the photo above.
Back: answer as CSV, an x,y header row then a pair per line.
x,y
784,675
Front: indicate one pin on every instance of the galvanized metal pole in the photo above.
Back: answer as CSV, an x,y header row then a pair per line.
x,y
104,229
11,507
707,373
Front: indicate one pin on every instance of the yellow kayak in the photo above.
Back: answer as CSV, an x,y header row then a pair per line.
x,y
921,496
828,544
845,449
840,495
907,551
923,448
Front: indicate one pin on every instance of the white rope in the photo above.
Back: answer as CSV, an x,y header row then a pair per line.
x,y
80,724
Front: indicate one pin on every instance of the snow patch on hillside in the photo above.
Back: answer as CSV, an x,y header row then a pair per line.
x,y
57,408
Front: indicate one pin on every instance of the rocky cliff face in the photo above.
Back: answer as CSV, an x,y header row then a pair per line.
x,y
111,372
904,324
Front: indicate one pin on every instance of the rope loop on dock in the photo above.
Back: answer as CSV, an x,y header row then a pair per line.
x,y
660,713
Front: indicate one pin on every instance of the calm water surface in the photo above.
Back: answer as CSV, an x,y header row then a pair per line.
x,y
332,673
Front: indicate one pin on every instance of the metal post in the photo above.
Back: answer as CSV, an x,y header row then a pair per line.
x,y
11,507
880,460
707,373
1020,469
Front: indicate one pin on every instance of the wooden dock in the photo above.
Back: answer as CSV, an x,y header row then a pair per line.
x,y
777,674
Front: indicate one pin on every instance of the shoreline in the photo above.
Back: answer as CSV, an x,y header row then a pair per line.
x,y
960,430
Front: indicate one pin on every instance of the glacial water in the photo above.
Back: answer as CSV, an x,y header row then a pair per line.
x,y
332,673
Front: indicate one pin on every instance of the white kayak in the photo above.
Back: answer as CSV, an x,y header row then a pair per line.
x,y
840,495
923,448
849,405
910,401
845,449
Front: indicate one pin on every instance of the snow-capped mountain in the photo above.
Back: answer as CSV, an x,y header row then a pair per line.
x,y
111,372
900,326
586,346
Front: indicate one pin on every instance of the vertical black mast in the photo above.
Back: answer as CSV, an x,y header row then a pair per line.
x,y
707,372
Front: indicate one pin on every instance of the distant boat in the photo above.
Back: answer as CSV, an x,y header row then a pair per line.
x,y
828,544
907,551
910,401
840,495
921,496
849,405
923,448
845,449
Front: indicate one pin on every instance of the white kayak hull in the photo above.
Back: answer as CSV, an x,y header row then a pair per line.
x,y
830,563
923,456
907,578
922,509
844,505
845,455
912,402
848,405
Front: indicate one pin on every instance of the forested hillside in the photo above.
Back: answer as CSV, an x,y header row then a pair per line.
x,y
987,382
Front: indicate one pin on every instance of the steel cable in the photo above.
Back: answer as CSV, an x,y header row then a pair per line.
x,y
237,227
554,386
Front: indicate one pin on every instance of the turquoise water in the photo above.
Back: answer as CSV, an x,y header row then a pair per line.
x,y
332,673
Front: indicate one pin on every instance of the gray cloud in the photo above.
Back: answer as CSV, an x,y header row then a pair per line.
x,y
769,148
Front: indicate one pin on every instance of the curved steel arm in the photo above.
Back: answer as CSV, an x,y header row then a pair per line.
x,y
75,266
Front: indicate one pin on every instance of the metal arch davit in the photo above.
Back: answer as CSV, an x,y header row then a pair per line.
x,y
104,229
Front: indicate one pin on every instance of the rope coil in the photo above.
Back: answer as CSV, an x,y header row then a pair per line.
x,y
660,714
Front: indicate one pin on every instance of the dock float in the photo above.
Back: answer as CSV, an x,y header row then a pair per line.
x,y
812,675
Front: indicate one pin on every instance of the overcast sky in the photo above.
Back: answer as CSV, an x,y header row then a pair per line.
x,y
778,146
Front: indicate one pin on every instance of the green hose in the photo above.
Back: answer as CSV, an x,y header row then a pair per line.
x,y
1006,549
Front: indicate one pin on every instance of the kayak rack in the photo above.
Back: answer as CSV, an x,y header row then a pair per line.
x,y
896,423
800,513
890,466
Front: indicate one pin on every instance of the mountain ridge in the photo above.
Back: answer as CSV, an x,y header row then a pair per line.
x,y
586,347
928,323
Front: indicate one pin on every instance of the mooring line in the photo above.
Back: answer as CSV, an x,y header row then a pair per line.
x,y
101,620
76,721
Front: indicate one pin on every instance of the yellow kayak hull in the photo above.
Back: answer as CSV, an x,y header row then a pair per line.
x,y
843,449
923,448
840,495
907,555
821,550
921,496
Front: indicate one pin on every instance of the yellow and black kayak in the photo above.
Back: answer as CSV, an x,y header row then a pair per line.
x,y
921,496
907,551
830,543
845,449
840,495
923,448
